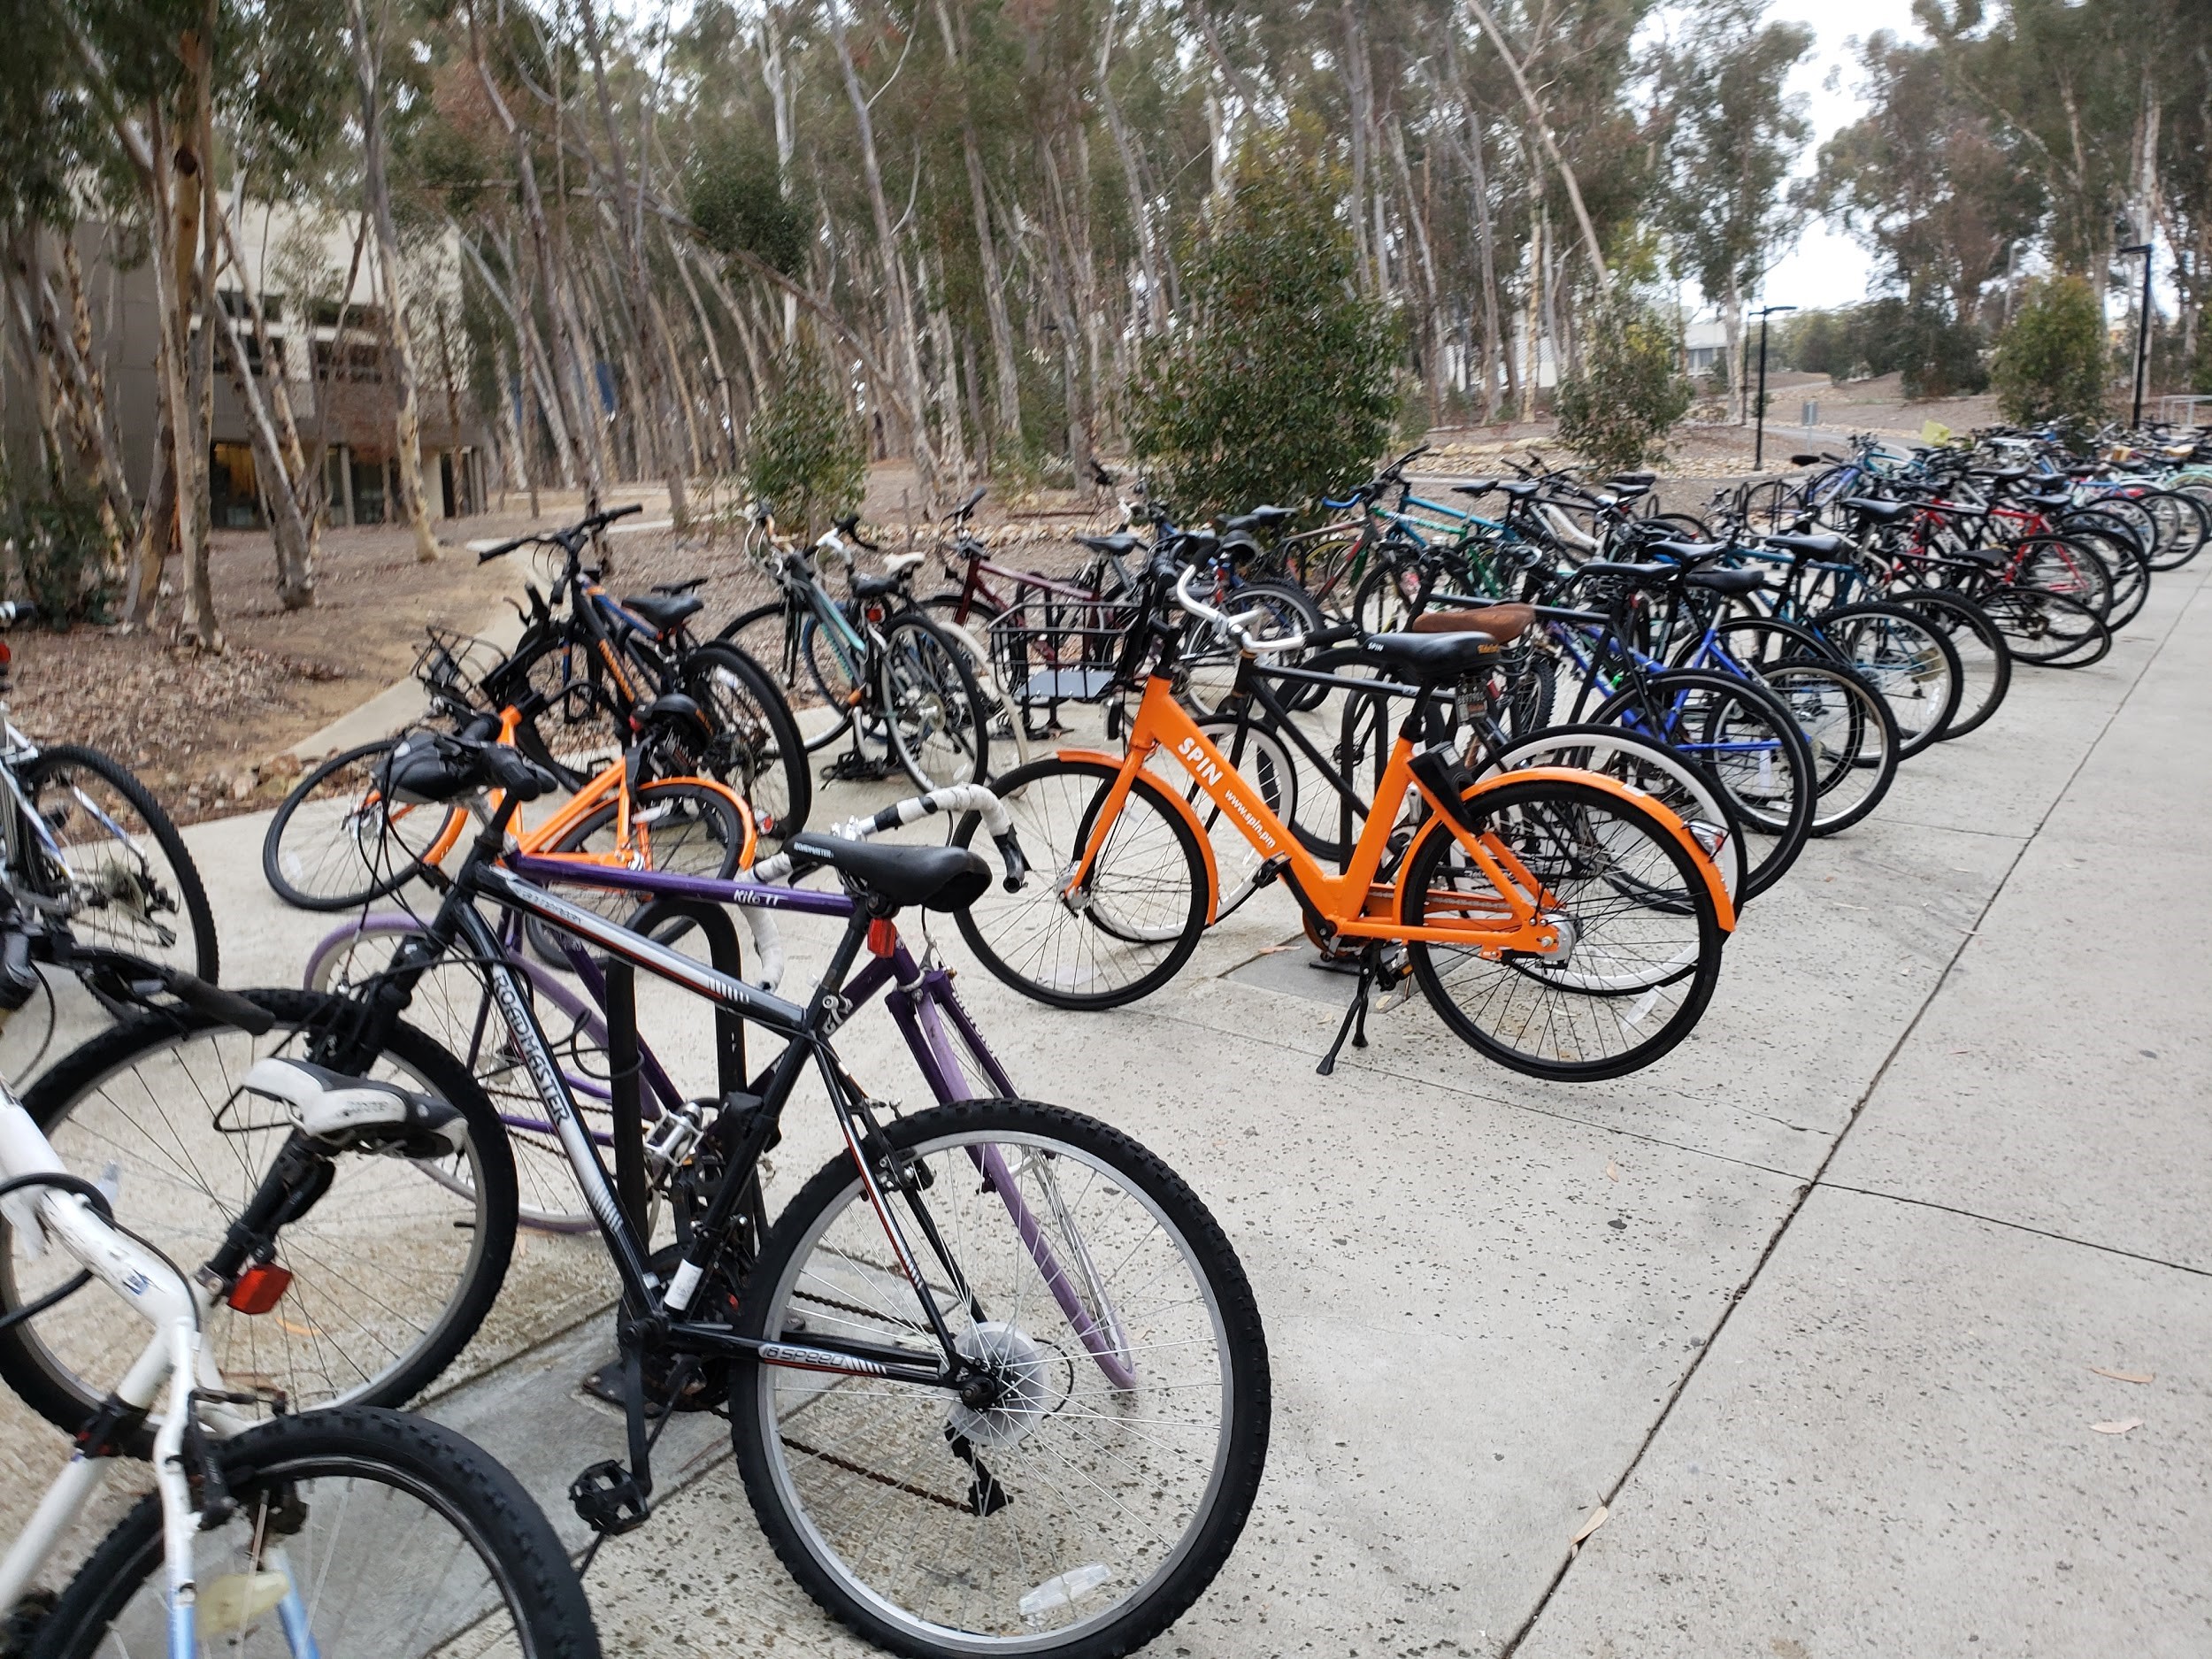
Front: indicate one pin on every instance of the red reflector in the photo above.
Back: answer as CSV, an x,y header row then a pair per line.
x,y
260,1288
882,937
6,655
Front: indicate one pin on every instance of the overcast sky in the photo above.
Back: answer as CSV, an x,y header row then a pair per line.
x,y
1827,268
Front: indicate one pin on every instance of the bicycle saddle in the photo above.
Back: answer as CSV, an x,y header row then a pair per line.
x,y
1880,511
331,1107
1258,518
1502,623
1520,489
935,878
877,586
1809,546
1654,575
1475,486
1688,552
1120,544
1730,582
664,611
1424,660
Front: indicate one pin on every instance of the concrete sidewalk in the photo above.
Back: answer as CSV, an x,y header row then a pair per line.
x,y
1811,1308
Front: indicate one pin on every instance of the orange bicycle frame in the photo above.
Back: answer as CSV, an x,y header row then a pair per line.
x,y
1353,902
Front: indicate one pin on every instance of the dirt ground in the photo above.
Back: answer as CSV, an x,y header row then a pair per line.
x,y
212,733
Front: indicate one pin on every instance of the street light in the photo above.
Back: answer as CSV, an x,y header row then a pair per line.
x,y
1759,437
2142,328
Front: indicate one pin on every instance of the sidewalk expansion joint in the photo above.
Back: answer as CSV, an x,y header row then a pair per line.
x,y
2017,1226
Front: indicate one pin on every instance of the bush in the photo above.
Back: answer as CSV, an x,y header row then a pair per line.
x,y
1619,403
731,191
1285,385
805,459
2051,363
61,547
1935,355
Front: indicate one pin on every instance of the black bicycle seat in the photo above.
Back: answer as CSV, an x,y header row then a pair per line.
x,y
1880,511
1258,518
1424,660
935,878
1119,545
1689,552
1519,488
1640,575
664,611
1811,546
1475,486
877,586
1726,582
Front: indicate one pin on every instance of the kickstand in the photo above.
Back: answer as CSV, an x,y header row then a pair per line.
x,y
1355,1025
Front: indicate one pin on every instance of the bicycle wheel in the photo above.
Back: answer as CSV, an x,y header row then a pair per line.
x,y
2182,522
1140,910
1909,661
354,1530
1640,935
1081,1503
394,1266
938,719
1985,660
1657,770
454,1005
757,749
124,875
2049,629
1735,733
336,843
2060,565
809,674
677,828
1851,733
2125,565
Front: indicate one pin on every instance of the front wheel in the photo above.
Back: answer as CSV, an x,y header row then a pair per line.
x,y
353,1528
756,748
337,843
1094,1485
1638,930
1129,926
937,716
123,875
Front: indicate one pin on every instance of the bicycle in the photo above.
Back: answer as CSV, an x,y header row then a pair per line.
x,y
282,1535
587,675
989,1309
1545,914
887,672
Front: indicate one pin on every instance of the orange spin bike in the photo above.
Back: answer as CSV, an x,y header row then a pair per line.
x,y
1565,925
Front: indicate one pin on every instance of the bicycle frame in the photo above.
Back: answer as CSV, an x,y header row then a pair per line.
x,y
1352,904
806,1030
173,1356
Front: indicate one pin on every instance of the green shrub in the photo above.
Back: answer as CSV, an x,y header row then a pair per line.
x,y
805,459
2051,362
1285,384
1934,354
1617,405
60,547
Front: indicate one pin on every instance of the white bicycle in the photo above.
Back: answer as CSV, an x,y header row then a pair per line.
x,y
313,1536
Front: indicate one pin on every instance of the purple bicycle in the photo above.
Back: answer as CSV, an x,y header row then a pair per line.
x,y
996,1381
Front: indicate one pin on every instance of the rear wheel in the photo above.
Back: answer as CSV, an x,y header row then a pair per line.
x,y
124,878
936,716
2049,629
1095,1486
393,1267
353,1528
675,828
1909,661
1639,934
1985,660
2183,520
1135,918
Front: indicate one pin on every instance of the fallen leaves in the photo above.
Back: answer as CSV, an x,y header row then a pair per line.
x,y
1612,1171
2124,1375
2119,1427
1596,1520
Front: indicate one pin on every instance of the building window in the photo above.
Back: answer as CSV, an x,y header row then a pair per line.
x,y
235,502
368,491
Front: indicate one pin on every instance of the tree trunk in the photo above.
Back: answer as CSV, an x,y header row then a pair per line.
x,y
275,440
400,365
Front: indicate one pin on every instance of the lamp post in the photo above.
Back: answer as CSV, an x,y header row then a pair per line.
x,y
1759,431
2142,328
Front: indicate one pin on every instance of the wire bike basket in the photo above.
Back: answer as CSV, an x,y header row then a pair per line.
x,y
1056,643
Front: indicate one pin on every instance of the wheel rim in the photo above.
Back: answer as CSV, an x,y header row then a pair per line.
x,y
886,1504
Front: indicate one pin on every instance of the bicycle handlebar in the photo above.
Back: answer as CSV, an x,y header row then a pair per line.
x,y
16,611
571,538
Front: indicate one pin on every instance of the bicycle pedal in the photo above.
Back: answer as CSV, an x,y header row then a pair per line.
x,y
609,1499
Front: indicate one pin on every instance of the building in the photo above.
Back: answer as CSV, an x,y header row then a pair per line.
x,y
328,342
